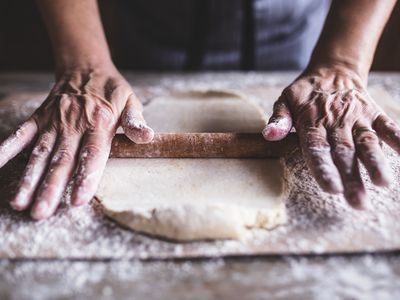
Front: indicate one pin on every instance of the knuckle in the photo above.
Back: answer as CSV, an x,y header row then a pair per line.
x,y
43,148
317,144
40,151
91,150
316,150
342,147
366,138
63,156
315,138
103,116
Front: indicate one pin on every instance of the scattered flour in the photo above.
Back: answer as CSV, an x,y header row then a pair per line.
x,y
358,277
319,223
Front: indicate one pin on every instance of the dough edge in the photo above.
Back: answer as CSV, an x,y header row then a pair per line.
x,y
189,222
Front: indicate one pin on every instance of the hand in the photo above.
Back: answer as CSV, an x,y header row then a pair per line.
x,y
337,123
72,133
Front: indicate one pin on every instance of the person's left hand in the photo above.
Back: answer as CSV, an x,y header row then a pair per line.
x,y
337,123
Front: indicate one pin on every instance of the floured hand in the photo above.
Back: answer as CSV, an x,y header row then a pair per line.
x,y
337,123
71,133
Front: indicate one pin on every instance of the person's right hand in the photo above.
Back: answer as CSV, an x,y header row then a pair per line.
x,y
72,133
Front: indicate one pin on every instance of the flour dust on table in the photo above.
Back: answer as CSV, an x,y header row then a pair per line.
x,y
316,222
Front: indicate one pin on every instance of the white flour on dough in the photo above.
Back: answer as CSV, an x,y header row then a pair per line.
x,y
191,199
188,199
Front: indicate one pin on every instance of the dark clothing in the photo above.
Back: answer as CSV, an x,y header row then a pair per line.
x,y
219,34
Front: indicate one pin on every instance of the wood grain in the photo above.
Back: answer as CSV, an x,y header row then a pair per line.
x,y
203,145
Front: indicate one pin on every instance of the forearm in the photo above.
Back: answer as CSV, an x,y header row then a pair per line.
x,y
351,33
76,33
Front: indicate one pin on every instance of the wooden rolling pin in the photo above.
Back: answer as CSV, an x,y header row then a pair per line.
x,y
203,145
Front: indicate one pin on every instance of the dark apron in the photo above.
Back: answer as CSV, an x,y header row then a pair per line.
x,y
218,34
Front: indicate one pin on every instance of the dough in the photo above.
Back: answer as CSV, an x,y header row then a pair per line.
x,y
191,199
187,199
204,112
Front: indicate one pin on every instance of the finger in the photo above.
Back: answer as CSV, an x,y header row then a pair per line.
x,y
344,157
34,171
370,153
280,123
388,131
17,141
55,181
317,153
133,123
92,161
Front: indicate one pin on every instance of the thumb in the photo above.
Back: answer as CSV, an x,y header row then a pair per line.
x,y
133,123
280,123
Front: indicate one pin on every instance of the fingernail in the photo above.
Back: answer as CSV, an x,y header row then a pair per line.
x,y
40,210
142,135
20,201
18,204
276,130
358,200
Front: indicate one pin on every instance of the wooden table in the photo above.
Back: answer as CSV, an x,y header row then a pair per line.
x,y
364,276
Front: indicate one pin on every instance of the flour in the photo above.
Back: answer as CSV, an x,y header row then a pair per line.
x,y
135,127
275,129
318,222
359,277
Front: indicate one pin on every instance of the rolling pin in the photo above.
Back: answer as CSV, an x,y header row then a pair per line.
x,y
203,145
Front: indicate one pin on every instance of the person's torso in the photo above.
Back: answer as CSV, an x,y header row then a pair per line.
x,y
219,34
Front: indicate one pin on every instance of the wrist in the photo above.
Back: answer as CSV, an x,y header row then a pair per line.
x,y
334,72
350,68
83,64
80,56
348,60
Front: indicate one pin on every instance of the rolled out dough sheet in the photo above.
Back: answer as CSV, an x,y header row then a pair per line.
x,y
192,199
